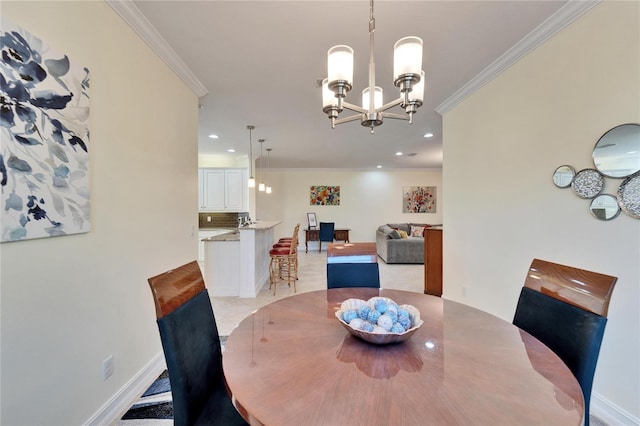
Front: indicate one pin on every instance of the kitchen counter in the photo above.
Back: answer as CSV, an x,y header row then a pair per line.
x,y
227,236
260,225
236,263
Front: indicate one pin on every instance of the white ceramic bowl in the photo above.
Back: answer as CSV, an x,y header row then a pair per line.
x,y
379,338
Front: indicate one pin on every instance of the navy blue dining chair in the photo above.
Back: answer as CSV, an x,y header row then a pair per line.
x,y
341,275
566,309
325,234
192,349
353,265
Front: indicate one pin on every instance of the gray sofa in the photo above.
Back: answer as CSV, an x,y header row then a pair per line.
x,y
394,249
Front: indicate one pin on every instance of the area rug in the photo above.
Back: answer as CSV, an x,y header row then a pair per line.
x,y
155,406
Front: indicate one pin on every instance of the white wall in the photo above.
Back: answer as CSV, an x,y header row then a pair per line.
x,y
69,302
501,210
368,199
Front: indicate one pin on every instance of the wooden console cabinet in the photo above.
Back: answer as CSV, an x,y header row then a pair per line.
x,y
314,235
433,261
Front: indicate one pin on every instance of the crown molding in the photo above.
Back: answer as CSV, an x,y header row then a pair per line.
x,y
132,16
564,16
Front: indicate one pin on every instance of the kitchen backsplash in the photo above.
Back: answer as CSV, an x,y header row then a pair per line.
x,y
219,220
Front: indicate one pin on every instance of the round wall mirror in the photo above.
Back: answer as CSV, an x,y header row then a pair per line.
x,y
563,176
617,152
604,207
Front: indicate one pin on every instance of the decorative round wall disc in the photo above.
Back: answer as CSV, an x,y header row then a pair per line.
x,y
629,196
588,183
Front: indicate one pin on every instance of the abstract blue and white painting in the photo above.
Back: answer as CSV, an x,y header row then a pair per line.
x,y
44,139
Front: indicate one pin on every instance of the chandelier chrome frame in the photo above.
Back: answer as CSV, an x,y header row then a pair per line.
x,y
408,77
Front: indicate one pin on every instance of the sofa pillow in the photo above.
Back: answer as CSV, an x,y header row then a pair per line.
x,y
426,225
385,229
395,234
403,234
400,226
417,231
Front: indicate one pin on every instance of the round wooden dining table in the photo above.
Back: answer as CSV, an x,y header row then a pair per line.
x,y
293,363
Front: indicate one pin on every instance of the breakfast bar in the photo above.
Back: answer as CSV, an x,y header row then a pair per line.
x,y
237,263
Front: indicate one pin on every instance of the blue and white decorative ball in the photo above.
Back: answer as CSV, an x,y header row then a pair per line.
x,y
397,328
349,315
363,312
380,306
385,322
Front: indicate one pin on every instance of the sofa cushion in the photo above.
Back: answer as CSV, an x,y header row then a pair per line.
x,y
417,231
385,229
395,234
403,234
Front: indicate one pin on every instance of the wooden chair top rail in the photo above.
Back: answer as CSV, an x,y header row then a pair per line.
x,y
352,252
173,288
588,290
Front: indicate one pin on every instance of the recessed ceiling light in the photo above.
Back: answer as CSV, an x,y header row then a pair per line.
x,y
398,153
231,150
212,136
428,135
379,166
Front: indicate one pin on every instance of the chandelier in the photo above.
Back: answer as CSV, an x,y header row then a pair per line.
x,y
407,76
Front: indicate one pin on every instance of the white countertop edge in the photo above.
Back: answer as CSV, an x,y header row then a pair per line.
x,y
260,225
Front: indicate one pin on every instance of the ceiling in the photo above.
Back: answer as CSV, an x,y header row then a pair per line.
x,y
260,62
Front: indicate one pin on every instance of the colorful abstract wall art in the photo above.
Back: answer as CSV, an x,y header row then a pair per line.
x,y
324,195
44,139
419,199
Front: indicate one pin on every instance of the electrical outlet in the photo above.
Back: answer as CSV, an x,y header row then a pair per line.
x,y
208,218
107,367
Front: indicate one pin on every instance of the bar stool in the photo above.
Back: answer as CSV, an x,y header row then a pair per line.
x,y
284,262
287,241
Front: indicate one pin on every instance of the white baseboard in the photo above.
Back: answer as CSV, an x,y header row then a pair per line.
x,y
610,413
125,397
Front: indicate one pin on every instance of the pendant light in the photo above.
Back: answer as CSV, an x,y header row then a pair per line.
x,y
252,181
261,187
268,190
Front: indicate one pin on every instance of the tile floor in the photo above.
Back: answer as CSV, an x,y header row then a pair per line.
x,y
229,311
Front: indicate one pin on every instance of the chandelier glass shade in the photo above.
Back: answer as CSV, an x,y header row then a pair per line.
x,y
252,181
408,77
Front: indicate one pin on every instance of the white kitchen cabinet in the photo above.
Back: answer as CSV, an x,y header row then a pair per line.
x,y
234,190
222,190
